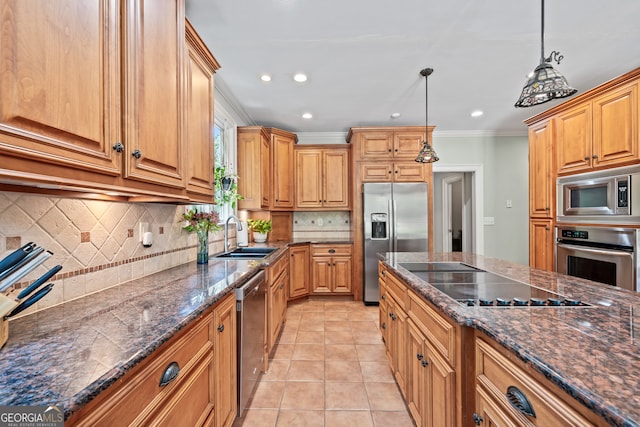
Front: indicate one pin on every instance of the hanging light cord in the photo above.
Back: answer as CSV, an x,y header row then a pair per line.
x,y
542,58
426,73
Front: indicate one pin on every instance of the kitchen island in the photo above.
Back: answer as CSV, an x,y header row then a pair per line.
x,y
590,353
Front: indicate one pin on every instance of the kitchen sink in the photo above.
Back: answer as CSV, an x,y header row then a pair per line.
x,y
247,253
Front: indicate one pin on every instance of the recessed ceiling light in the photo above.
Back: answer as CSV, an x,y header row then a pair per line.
x,y
395,115
265,78
300,77
307,115
477,113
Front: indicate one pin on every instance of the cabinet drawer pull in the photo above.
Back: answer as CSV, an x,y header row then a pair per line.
x,y
332,251
170,373
136,153
118,147
220,328
519,401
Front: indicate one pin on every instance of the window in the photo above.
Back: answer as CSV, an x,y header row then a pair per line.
x,y
224,148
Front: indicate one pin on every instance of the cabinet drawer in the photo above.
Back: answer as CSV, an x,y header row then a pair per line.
x,y
134,396
496,374
278,266
397,290
437,329
330,250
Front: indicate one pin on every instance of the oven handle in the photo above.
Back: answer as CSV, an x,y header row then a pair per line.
x,y
592,250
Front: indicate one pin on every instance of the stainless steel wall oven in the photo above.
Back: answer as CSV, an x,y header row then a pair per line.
x,y
603,254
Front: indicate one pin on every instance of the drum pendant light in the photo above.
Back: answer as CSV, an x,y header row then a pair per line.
x,y
427,153
545,83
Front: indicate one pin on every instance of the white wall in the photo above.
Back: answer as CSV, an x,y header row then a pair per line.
x,y
506,177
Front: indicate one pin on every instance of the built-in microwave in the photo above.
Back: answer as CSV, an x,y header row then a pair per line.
x,y
608,196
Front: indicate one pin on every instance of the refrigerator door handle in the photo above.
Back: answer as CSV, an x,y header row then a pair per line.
x,y
393,239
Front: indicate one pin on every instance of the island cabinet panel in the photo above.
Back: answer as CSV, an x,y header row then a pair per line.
x,y
299,269
201,67
59,99
501,382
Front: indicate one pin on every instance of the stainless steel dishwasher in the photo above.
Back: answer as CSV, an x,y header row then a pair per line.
x,y
251,304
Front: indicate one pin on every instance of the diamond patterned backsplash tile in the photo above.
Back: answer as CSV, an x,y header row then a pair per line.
x,y
110,256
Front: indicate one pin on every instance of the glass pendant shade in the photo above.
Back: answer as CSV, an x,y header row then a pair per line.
x,y
427,153
544,85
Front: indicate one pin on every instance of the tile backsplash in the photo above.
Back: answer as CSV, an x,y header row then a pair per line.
x,y
96,242
312,225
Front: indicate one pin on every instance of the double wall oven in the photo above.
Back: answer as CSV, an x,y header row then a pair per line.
x,y
598,223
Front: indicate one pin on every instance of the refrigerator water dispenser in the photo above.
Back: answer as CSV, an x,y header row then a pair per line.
x,y
378,225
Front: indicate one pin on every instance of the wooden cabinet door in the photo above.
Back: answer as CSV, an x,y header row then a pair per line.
x,y
199,130
490,413
376,144
335,178
407,145
225,364
60,84
309,182
321,274
398,344
153,91
615,127
410,171
541,176
265,171
250,176
541,244
574,140
416,374
341,280
376,172
299,268
441,400
283,172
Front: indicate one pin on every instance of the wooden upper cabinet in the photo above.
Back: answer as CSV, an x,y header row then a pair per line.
x,y
615,127
407,145
322,178
541,173
253,167
387,142
375,144
601,133
60,82
153,90
199,130
282,162
573,139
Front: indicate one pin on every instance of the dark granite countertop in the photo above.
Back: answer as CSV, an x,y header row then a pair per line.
x,y
324,240
593,353
67,354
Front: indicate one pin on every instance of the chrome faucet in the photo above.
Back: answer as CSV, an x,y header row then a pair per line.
x,y
226,230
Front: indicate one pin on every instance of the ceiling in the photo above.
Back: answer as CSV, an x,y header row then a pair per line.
x,y
363,57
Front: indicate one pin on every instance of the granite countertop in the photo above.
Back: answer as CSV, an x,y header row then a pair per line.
x,y
68,354
593,353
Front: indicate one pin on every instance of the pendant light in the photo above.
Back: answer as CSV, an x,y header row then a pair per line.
x,y
427,153
545,83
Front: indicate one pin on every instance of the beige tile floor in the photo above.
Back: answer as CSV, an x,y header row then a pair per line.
x,y
329,369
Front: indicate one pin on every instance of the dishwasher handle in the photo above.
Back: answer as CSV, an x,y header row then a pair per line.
x,y
252,286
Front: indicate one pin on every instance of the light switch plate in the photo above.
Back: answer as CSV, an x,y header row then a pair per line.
x,y
489,220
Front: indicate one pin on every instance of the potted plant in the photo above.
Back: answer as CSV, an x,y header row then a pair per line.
x,y
226,186
260,228
202,223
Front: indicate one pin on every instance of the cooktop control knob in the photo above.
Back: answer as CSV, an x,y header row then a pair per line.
x,y
571,302
537,301
485,302
503,302
554,301
519,302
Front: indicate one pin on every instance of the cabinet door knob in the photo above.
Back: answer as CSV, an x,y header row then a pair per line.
x,y
424,363
118,147
419,356
477,419
136,153
384,325
586,158
220,328
595,156
389,149
332,251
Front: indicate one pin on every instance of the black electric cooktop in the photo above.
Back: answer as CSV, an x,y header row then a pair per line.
x,y
472,286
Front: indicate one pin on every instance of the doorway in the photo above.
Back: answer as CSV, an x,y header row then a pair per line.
x,y
458,208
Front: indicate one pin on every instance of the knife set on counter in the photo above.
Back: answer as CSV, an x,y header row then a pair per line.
x,y
14,267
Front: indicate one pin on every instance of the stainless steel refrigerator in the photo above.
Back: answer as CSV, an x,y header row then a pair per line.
x,y
395,220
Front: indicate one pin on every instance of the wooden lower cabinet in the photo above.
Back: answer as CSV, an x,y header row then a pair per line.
x,y
202,393
299,269
397,342
278,274
331,269
541,242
